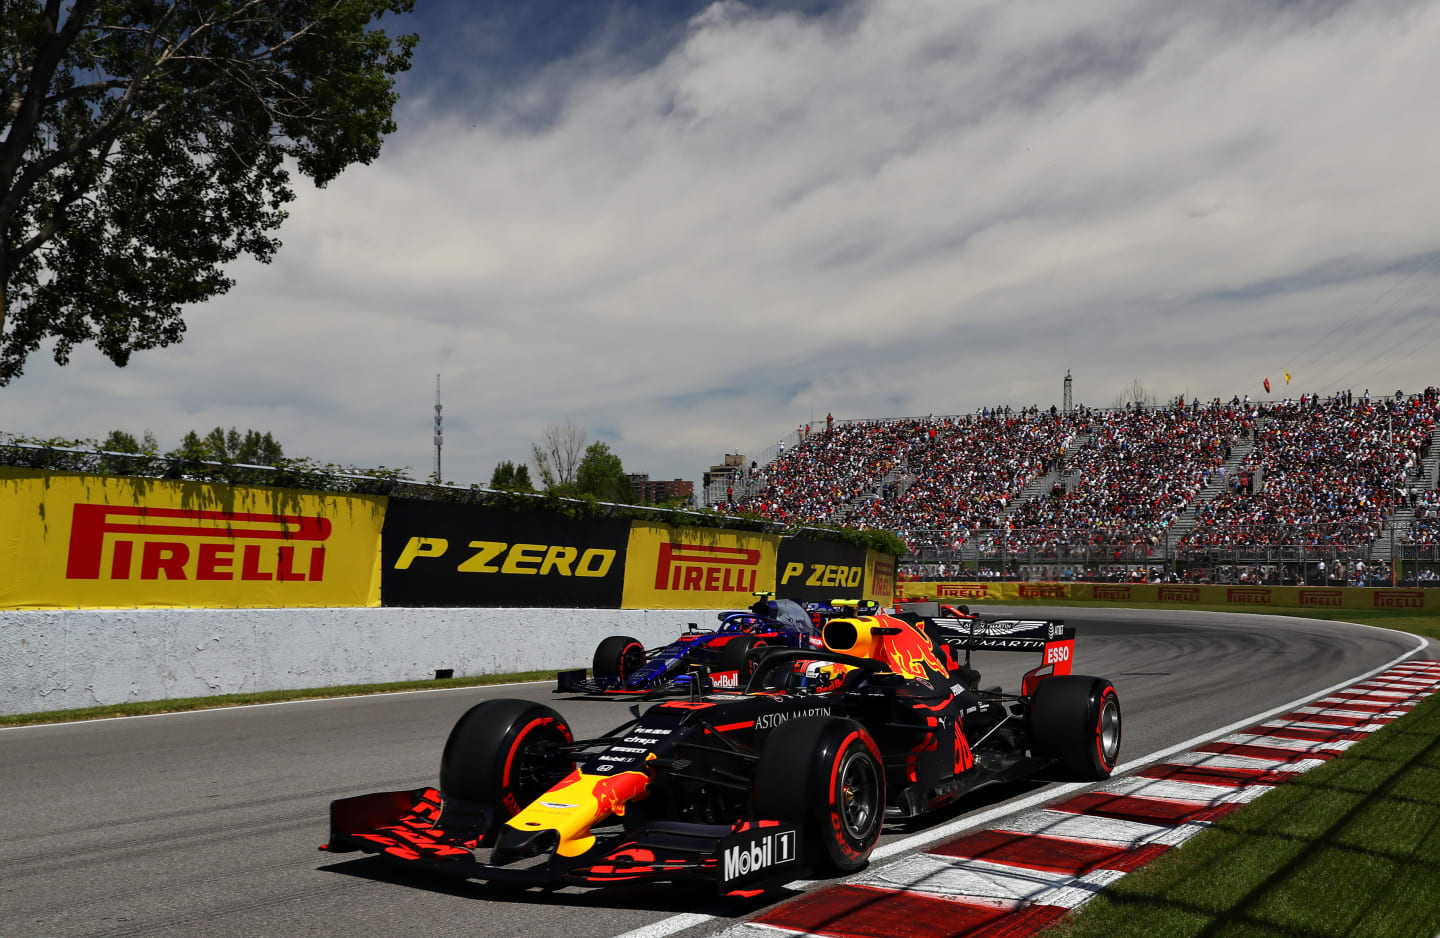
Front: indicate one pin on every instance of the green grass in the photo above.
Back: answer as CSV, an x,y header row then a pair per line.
x,y
275,696
1351,848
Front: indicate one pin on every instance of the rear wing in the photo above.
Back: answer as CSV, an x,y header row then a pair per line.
x,y
1051,637
1004,634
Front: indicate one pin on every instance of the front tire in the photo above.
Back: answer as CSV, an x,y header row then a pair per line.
x,y
618,656
1076,720
500,754
824,774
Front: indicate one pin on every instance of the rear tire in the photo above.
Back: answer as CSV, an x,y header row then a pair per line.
x,y
618,656
735,656
499,754
824,775
1076,720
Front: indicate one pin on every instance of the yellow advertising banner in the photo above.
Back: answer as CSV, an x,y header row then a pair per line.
x,y
696,568
73,541
880,577
1181,595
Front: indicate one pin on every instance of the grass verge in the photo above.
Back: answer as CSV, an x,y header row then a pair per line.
x,y
180,705
1351,848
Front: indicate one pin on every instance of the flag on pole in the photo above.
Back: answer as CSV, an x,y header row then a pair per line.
x,y
1267,385
1287,377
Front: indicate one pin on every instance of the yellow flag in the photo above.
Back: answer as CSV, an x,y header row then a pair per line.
x,y
1287,377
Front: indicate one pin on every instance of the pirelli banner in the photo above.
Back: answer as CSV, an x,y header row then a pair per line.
x,y
697,568
1181,595
438,554
76,541
71,541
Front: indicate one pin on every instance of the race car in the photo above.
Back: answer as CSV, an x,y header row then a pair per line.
x,y
749,790
711,660
945,611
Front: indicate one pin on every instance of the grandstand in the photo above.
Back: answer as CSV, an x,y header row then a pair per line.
x,y
1337,489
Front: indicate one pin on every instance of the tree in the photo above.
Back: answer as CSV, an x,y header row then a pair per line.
x,y
601,474
1136,393
503,475
511,478
558,453
191,447
522,481
120,442
220,445
258,449
145,144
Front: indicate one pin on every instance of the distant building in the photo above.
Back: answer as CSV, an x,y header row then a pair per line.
x,y
652,492
723,480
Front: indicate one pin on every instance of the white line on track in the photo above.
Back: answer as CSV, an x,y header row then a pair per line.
x,y
679,923
276,703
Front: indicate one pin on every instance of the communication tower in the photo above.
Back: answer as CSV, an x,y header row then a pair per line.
x,y
1068,404
439,432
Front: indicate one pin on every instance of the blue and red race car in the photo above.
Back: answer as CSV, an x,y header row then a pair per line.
x,y
719,659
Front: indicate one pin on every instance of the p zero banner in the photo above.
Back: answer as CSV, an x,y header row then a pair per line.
x,y
819,571
75,541
437,554
696,568
1185,594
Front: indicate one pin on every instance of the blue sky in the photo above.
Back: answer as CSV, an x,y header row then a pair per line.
x,y
689,227
469,46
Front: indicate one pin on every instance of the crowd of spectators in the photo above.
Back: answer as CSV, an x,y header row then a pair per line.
x,y
1131,481
1323,474
932,473
1422,535
1321,479
972,473
827,471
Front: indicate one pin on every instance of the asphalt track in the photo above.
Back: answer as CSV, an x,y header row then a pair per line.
x,y
208,822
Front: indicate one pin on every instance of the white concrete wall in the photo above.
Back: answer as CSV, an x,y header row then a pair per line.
x,y
60,660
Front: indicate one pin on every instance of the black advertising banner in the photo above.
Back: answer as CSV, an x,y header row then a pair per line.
x,y
819,571
437,554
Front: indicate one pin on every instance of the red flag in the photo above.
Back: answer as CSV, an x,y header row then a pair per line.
x,y
1267,385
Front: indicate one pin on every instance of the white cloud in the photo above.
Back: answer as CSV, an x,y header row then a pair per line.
x,y
911,208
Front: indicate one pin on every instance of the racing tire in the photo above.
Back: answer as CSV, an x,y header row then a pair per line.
x,y
735,656
1075,719
499,755
618,656
824,775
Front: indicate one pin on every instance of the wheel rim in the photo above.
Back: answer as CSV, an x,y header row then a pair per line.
x,y
1110,729
535,770
632,660
859,796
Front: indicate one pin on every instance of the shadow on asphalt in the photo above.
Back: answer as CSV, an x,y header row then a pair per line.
x,y
668,898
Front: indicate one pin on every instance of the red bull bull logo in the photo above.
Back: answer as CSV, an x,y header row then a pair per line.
x,y
613,791
909,651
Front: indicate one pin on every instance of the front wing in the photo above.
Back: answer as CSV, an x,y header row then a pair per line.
x,y
741,859
575,682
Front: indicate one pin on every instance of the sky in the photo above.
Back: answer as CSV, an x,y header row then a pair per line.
x,y
690,227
